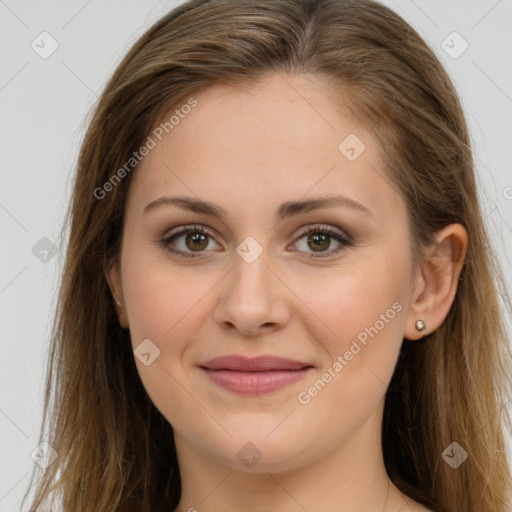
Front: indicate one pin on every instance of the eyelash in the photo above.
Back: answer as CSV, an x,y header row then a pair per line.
x,y
327,230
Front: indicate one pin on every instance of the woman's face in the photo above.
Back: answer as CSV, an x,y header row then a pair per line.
x,y
260,282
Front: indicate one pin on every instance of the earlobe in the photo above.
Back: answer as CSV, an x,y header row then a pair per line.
x,y
436,284
113,277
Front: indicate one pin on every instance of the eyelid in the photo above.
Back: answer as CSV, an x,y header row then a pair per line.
x,y
322,228
339,235
187,229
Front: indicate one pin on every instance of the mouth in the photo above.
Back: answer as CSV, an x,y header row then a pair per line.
x,y
254,376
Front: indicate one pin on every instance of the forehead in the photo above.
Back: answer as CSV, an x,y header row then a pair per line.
x,y
277,114
282,137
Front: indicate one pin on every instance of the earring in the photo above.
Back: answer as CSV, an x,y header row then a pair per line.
x,y
420,325
118,303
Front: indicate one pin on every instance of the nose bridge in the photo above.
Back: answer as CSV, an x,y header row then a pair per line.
x,y
250,297
251,272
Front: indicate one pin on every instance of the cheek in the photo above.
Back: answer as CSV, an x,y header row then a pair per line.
x,y
365,312
162,307
161,298
362,317
353,299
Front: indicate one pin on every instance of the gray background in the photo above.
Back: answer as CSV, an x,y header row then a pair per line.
x,y
43,108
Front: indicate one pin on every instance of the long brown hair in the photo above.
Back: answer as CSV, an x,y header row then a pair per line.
x,y
115,450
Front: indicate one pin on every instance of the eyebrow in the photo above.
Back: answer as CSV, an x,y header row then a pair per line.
x,y
287,209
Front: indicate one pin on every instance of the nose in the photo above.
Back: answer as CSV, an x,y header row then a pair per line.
x,y
253,300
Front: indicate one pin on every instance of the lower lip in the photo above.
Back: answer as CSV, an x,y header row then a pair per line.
x,y
255,383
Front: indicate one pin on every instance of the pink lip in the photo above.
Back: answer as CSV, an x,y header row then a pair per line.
x,y
254,376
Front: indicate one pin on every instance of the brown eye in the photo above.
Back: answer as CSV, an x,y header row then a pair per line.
x,y
196,241
191,241
319,240
187,240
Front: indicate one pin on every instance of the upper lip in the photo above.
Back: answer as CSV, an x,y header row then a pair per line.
x,y
253,364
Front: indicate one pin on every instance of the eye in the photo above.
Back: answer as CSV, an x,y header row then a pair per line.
x,y
195,239
319,240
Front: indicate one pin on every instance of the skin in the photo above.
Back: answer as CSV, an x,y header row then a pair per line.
x,y
248,151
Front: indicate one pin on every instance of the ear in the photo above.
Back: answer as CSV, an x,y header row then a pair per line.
x,y
436,283
113,276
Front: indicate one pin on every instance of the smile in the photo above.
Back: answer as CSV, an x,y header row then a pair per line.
x,y
254,376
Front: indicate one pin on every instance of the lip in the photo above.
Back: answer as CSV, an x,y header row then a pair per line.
x,y
253,364
256,375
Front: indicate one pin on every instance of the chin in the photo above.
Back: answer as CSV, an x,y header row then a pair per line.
x,y
249,451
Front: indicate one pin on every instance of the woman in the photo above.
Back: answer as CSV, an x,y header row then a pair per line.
x,y
278,292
